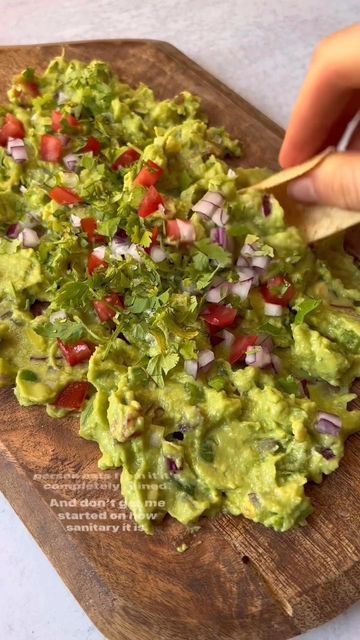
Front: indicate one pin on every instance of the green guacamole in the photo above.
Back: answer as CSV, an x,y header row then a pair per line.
x,y
209,350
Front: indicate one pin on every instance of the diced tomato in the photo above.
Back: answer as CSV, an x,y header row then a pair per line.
x,y
51,148
57,117
239,347
219,316
92,145
278,290
150,203
12,128
64,196
126,159
172,230
95,263
73,396
28,91
149,175
88,225
106,308
76,353
32,88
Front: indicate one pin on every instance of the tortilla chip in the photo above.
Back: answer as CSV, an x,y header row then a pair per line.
x,y
314,221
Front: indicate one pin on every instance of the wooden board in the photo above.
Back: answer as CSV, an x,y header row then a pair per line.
x,y
238,580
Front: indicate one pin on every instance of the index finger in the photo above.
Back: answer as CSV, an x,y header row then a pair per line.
x,y
330,97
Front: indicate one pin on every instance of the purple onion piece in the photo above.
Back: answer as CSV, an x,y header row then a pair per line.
x,y
266,205
191,367
219,236
331,417
14,230
172,466
71,161
327,453
253,497
206,356
327,428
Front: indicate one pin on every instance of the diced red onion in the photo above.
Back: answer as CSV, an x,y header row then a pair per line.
x,y
119,248
29,238
228,337
219,236
22,188
207,209
248,250
19,154
191,367
242,289
274,310
134,252
254,499
206,356
99,252
215,197
265,341
246,273
304,385
276,362
257,357
172,466
13,230
266,205
260,262
231,173
327,428
327,453
157,254
220,217
331,418
75,220
58,316
71,161
64,139
216,294
16,148
242,262
187,231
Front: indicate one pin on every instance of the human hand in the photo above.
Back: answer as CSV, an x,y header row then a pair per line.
x,y
329,99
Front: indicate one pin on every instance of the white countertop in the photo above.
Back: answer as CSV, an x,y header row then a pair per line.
x,y
261,49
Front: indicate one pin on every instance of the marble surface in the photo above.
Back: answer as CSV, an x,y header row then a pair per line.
x,y
260,48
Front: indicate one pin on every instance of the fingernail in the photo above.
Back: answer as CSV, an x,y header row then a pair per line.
x,y
302,190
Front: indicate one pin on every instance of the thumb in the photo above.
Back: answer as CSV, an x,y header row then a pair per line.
x,y
335,182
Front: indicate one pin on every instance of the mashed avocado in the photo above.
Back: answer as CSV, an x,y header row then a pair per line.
x,y
210,352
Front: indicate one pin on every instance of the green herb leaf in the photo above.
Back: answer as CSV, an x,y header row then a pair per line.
x,y
67,331
28,375
206,450
214,252
304,308
289,385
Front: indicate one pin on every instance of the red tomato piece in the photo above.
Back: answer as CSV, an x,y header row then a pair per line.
x,y
149,175
95,263
126,159
88,225
239,347
32,88
12,128
73,396
278,290
92,145
106,308
51,148
219,316
76,353
172,230
151,202
64,196
57,117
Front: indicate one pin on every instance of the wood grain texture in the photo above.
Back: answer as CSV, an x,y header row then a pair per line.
x,y
237,580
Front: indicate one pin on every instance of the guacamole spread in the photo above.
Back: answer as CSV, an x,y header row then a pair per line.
x,y
209,351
